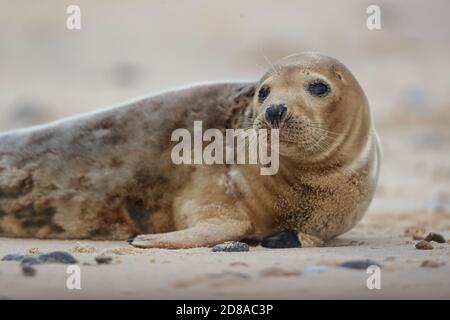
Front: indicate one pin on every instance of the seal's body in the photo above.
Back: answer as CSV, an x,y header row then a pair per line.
x,y
109,174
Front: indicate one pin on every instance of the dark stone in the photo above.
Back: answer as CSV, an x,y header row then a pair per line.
x,y
231,246
30,261
424,245
436,237
285,239
13,257
28,270
52,257
103,259
359,264
58,257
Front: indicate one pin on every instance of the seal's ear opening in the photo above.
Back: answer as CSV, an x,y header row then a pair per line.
x,y
245,93
244,96
241,112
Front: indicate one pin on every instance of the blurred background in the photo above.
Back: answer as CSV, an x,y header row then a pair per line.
x,y
126,49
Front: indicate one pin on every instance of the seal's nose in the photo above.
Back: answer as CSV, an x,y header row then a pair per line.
x,y
275,113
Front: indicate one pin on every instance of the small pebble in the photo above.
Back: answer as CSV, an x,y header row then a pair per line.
x,y
58,257
231,246
359,264
103,259
285,239
436,237
13,257
28,271
27,261
424,245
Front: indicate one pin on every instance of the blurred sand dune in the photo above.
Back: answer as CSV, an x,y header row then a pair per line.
x,y
125,49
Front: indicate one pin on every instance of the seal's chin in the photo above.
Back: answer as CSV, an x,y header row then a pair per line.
x,y
297,138
302,142
288,148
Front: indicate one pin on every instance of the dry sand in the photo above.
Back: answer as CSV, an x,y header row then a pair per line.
x,y
128,49
258,274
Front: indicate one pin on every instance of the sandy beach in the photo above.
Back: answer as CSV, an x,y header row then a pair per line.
x,y
306,273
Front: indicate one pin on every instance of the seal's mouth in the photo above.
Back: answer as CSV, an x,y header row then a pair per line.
x,y
298,134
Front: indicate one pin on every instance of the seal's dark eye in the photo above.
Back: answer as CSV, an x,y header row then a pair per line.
x,y
319,88
263,93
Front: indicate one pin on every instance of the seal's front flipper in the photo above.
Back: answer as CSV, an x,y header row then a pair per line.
x,y
204,234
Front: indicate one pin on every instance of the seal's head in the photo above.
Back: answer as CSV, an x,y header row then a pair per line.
x,y
317,104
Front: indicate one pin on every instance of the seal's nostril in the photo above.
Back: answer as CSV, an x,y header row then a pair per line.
x,y
275,113
282,111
